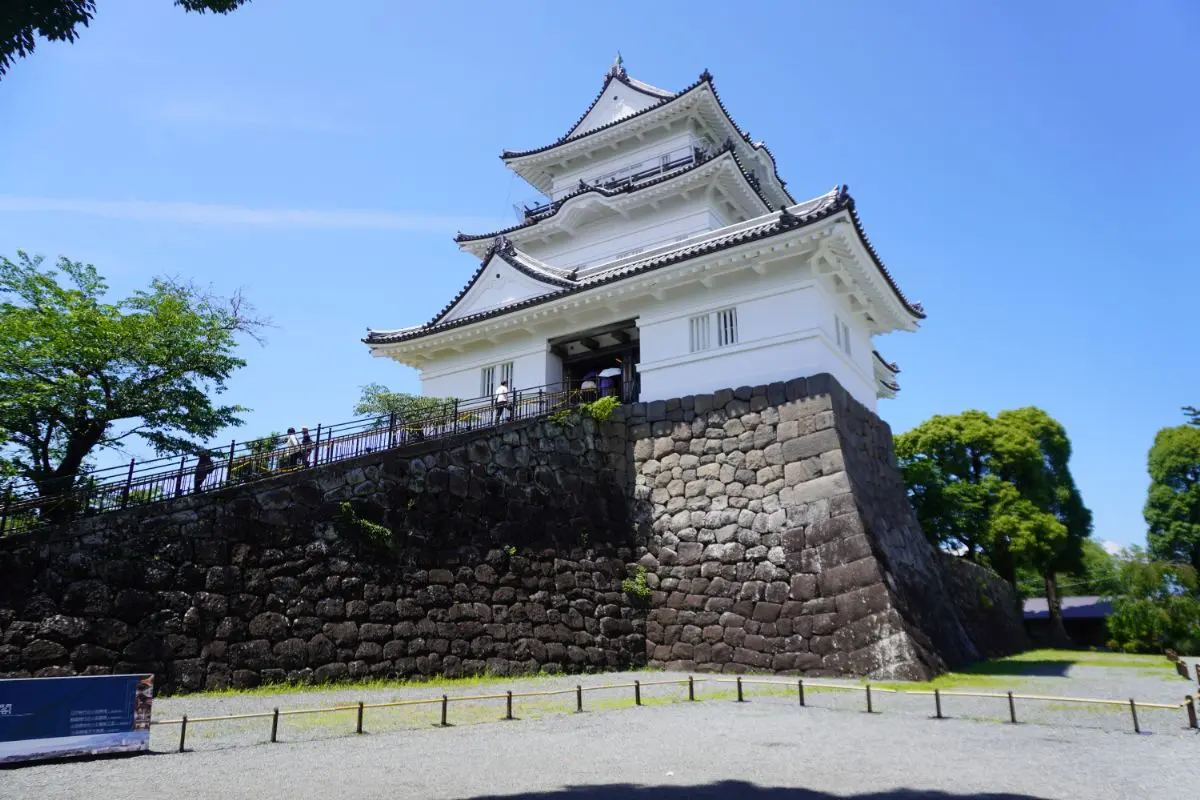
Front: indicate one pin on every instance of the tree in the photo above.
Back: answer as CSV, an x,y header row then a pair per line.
x,y
78,375
1097,574
1158,607
59,21
378,400
1193,414
998,491
1172,508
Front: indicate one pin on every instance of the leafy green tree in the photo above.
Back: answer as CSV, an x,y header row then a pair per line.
x,y
79,375
378,400
1158,607
998,490
1172,508
59,21
1097,574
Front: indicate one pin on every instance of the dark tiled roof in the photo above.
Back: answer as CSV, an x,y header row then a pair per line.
x,y
889,365
705,77
810,212
914,308
618,74
1081,607
626,189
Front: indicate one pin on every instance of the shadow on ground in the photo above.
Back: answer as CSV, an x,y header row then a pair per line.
x,y
1056,668
736,790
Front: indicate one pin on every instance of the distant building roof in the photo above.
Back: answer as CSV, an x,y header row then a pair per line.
x,y
1082,607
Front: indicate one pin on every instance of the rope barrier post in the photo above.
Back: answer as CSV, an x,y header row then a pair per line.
x,y
869,709
508,705
637,692
275,726
937,703
740,699
182,732
360,716
691,688
1133,711
1012,709
800,690
1190,705
1197,668
578,699
445,709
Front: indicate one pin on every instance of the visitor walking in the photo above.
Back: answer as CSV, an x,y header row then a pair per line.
x,y
501,403
204,468
291,449
306,445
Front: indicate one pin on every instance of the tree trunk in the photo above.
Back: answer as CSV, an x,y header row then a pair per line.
x,y
1057,631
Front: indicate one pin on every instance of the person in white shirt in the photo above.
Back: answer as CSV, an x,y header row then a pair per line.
x,y
501,403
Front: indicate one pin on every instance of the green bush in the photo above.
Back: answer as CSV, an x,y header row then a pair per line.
x,y
636,586
1158,607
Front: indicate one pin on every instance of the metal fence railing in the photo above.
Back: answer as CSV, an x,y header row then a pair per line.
x,y
25,508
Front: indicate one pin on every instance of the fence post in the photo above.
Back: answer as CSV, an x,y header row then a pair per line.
x,y
182,732
317,450
637,692
229,469
691,688
869,709
454,422
128,485
1190,705
391,429
800,690
1133,711
274,725
508,705
739,684
937,703
1012,709
578,699
445,708
360,715
7,506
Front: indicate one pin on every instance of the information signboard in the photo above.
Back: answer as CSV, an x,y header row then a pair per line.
x,y
88,715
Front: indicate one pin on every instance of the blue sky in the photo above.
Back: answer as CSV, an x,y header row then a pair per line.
x,y
1029,171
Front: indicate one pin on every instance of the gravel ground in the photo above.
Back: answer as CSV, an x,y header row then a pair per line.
x,y
1060,750
766,748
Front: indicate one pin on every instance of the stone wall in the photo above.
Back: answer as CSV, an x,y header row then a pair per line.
x,y
508,555
780,538
770,523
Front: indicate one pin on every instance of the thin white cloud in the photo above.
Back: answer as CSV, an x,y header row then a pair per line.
x,y
216,215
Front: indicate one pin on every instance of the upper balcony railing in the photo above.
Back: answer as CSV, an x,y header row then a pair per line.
x,y
617,179
25,508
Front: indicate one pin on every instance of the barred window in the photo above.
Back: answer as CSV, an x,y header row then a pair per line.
x,y
727,329
698,329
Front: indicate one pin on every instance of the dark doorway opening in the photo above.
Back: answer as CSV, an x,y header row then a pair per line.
x,y
602,361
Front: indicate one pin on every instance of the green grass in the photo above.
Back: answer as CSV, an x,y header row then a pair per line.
x,y
373,684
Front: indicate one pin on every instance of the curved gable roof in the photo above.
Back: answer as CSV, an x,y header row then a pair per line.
x,y
503,249
617,73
